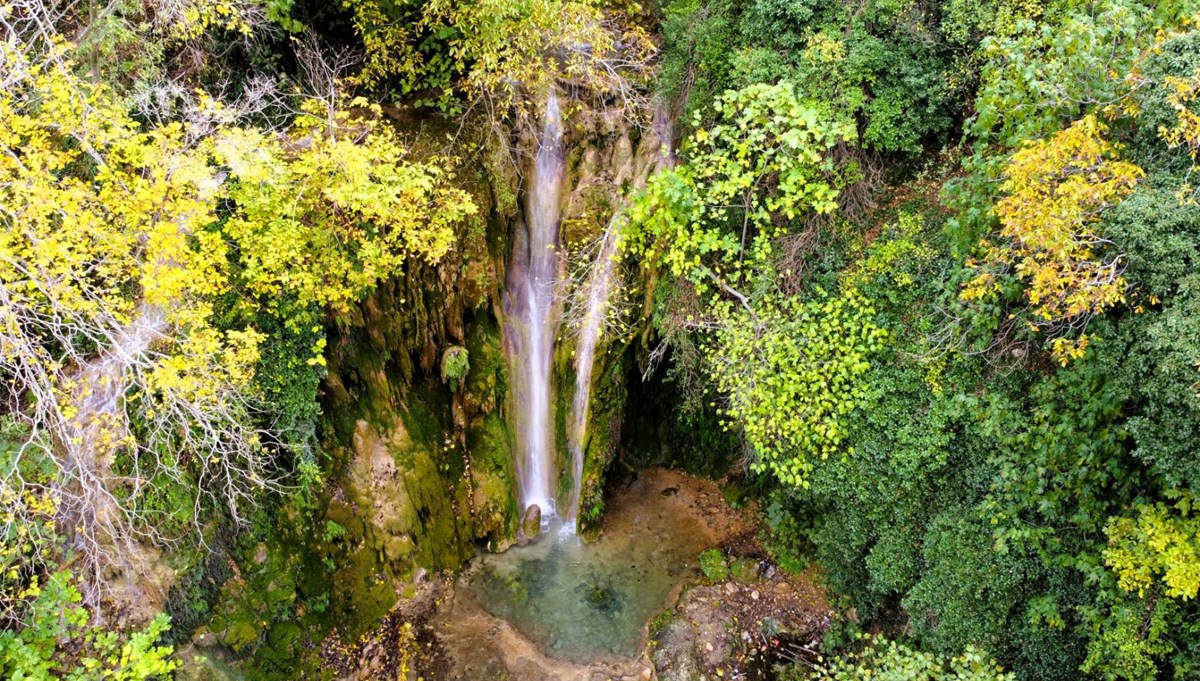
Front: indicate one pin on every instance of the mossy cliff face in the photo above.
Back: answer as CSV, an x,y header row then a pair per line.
x,y
420,464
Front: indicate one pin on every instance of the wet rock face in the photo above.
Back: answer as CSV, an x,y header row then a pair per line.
x,y
404,501
417,413
609,156
413,423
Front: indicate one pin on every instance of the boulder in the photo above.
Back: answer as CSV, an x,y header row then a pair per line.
x,y
531,521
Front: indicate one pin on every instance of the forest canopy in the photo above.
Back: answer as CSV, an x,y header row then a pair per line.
x,y
927,273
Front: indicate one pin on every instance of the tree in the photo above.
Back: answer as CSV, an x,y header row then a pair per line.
x,y
57,639
713,218
120,249
104,250
790,368
1159,549
885,660
315,228
502,52
1056,189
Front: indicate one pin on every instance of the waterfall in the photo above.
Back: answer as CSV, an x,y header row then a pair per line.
x,y
103,382
90,439
597,292
530,302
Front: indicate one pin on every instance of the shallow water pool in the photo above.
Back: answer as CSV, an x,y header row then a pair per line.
x,y
583,602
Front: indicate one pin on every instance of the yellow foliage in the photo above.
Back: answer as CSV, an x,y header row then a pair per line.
x,y
1056,190
497,48
101,217
1182,94
324,217
27,520
898,243
121,248
1158,544
193,18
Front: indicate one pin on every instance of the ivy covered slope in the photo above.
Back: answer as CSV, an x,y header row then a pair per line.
x,y
941,260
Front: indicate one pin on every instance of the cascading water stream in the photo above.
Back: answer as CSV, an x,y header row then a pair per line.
x,y
597,292
532,302
603,279
92,433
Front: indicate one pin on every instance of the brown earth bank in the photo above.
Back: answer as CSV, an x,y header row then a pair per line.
x,y
732,629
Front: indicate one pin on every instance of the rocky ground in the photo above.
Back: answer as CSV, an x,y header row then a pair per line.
x,y
738,628
403,647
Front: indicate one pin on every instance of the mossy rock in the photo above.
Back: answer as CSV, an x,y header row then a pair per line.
x,y
362,592
284,636
494,504
313,579
714,565
398,548
282,647
201,666
488,443
487,382
661,622
239,634
745,570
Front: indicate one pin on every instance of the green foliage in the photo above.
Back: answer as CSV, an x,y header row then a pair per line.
x,y
792,371
1136,637
890,70
970,594
333,531
714,565
288,378
885,660
55,639
1062,461
1157,357
1047,72
713,219
1043,74
697,35
764,161
937,519
495,49
1159,550
28,532
787,538
456,362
